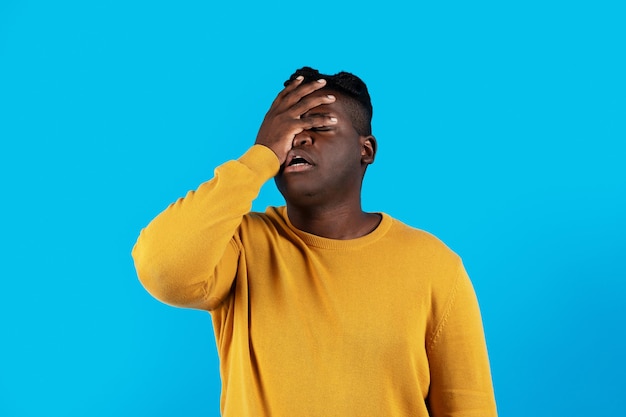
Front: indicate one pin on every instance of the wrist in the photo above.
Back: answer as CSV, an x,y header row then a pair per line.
x,y
262,159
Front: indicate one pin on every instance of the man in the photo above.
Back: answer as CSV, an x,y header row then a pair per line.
x,y
319,308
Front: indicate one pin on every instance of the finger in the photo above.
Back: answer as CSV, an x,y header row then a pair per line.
x,y
304,90
310,102
317,121
289,88
294,96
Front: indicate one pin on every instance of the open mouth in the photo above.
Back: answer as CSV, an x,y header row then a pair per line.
x,y
298,160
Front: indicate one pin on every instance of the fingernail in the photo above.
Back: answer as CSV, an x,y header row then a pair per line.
x,y
321,80
330,96
299,78
333,119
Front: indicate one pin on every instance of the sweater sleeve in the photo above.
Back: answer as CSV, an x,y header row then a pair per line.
x,y
187,256
461,383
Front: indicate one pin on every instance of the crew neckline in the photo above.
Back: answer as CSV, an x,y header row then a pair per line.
x,y
327,243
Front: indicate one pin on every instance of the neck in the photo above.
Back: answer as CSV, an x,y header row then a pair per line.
x,y
338,222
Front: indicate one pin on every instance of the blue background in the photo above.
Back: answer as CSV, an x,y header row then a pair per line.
x,y
501,129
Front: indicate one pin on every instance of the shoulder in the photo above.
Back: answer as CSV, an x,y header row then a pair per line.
x,y
423,255
264,226
267,231
272,217
418,239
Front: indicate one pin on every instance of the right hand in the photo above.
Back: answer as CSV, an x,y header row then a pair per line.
x,y
284,119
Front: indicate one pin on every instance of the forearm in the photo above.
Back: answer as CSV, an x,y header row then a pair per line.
x,y
177,255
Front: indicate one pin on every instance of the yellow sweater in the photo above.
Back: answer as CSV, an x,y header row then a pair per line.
x,y
383,325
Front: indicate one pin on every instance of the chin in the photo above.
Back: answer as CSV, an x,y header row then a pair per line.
x,y
302,198
298,197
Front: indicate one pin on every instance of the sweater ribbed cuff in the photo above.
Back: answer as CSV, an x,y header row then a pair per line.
x,y
261,160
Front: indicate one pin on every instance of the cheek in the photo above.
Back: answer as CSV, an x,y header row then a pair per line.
x,y
345,158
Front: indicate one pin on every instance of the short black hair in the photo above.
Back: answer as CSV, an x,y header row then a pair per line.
x,y
359,104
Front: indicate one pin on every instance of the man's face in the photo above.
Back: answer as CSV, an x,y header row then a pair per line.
x,y
325,165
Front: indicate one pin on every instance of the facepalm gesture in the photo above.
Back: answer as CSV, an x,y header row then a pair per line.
x,y
285,120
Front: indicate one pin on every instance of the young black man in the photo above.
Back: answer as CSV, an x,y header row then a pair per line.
x,y
319,308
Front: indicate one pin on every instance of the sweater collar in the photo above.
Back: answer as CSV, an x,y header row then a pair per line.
x,y
326,243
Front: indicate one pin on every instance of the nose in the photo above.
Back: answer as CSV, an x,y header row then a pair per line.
x,y
301,139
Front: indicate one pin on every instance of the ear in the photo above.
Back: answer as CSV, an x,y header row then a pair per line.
x,y
368,149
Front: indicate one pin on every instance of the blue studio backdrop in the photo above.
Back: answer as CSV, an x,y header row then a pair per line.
x,y
501,129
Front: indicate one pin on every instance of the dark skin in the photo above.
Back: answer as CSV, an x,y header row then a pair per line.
x,y
323,160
